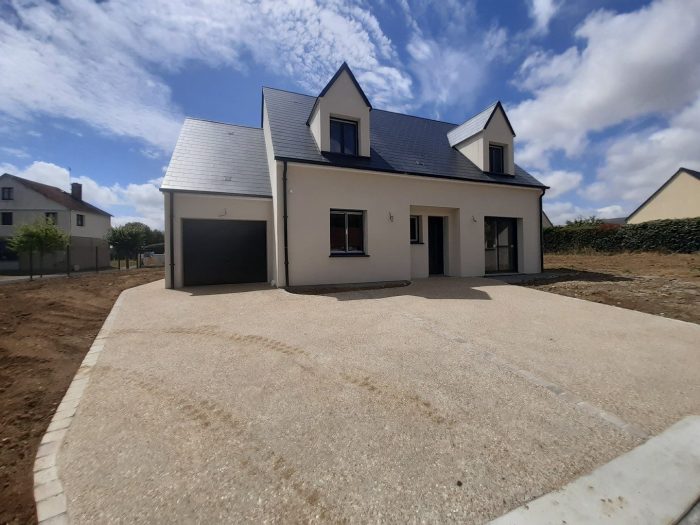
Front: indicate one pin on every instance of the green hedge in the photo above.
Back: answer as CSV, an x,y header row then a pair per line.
x,y
679,236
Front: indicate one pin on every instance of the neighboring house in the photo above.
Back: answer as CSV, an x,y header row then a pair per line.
x,y
546,223
24,201
678,198
330,190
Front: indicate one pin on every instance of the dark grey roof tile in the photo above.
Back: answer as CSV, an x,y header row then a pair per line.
x,y
399,143
214,157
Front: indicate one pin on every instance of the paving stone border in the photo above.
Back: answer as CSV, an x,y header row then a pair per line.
x,y
51,504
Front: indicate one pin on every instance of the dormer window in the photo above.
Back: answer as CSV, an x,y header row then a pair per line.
x,y
343,136
496,162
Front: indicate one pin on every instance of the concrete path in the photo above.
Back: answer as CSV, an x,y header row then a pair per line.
x,y
447,400
657,482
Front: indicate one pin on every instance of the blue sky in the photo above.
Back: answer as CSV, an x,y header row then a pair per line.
x,y
604,95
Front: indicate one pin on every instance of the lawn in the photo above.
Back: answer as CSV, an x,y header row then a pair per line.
x,y
660,284
46,327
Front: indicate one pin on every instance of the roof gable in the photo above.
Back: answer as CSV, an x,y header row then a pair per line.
x,y
477,124
344,68
692,173
58,196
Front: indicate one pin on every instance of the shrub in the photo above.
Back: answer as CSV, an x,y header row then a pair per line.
x,y
677,235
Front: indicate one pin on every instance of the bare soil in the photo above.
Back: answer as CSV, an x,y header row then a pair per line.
x,y
46,328
655,283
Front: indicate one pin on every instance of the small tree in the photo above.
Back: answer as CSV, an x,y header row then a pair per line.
x,y
127,240
42,236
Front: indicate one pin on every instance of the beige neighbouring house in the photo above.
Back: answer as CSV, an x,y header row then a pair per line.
x,y
677,198
329,190
24,201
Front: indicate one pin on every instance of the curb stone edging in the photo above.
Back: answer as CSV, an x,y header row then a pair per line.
x,y
51,504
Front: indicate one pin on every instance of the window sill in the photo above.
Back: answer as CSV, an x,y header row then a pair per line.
x,y
417,242
348,255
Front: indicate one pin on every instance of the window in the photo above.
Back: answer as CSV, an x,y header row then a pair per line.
x,y
80,220
343,137
415,229
52,216
8,194
347,232
7,218
496,158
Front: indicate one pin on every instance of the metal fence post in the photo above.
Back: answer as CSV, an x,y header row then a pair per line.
x,y
68,260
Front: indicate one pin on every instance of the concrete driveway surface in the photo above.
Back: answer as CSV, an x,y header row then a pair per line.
x,y
447,400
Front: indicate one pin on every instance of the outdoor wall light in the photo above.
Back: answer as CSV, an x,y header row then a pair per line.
x,y
391,217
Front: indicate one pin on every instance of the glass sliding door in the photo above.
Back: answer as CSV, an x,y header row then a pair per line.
x,y
501,244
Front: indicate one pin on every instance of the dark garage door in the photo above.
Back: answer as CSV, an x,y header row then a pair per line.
x,y
224,252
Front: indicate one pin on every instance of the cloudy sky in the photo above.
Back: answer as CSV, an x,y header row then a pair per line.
x,y
604,95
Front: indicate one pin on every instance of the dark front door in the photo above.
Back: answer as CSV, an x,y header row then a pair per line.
x,y
223,251
501,241
436,248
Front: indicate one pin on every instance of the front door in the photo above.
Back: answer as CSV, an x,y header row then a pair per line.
x,y
436,248
501,241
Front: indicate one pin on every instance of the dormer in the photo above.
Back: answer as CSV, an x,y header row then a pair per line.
x,y
487,140
339,120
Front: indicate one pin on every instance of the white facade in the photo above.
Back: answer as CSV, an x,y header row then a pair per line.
x,y
388,201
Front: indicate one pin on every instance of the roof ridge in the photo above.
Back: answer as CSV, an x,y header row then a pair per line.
x,y
222,123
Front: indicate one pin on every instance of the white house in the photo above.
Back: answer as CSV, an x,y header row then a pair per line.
x,y
24,201
330,190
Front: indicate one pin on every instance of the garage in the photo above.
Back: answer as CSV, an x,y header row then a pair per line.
x,y
224,251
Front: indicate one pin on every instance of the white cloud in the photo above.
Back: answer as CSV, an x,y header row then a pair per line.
x,y
451,66
96,61
542,12
15,152
559,181
636,164
630,65
142,202
561,211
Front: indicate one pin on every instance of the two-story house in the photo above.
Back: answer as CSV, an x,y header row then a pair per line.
x,y
331,190
24,201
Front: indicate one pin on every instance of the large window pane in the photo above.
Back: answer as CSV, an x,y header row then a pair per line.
x,y
355,232
336,136
350,139
496,158
337,232
415,228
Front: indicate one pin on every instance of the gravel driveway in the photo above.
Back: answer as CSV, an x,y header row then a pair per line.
x,y
447,400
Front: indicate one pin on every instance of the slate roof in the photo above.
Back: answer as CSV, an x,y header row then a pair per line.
x,y
59,196
399,143
212,157
476,124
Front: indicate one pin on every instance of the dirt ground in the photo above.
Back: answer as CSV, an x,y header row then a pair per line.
x,y
660,284
46,327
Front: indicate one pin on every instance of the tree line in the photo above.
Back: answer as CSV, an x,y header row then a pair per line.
x,y
44,236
